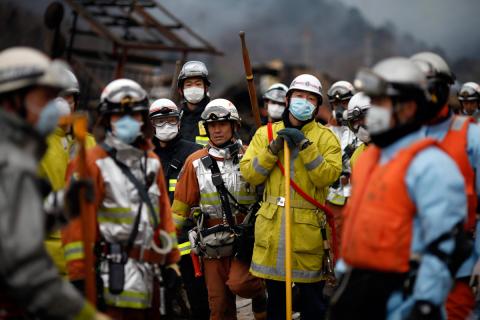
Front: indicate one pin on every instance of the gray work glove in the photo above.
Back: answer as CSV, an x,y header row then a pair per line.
x,y
294,137
276,145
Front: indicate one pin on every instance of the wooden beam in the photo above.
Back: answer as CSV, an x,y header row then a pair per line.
x,y
166,32
91,54
94,24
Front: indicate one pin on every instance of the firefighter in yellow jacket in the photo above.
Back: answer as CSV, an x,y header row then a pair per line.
x,y
316,164
61,149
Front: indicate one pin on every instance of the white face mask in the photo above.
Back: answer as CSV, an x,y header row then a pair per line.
x,y
363,135
166,132
194,94
275,110
378,119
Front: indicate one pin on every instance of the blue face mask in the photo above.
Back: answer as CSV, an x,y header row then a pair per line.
x,y
126,129
48,118
301,109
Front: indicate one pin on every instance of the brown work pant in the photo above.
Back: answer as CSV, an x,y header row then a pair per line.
x,y
225,278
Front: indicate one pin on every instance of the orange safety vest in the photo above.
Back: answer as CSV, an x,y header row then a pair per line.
x,y
379,215
455,144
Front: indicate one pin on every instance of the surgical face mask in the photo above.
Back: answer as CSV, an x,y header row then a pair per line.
x,y
301,109
378,119
363,134
194,94
166,132
126,129
275,110
48,117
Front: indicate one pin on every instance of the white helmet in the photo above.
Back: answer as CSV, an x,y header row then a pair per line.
x,y
22,67
72,86
340,90
163,108
220,110
309,83
470,91
396,76
357,106
123,96
433,66
193,69
276,92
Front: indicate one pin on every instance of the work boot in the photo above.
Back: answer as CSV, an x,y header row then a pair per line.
x,y
259,307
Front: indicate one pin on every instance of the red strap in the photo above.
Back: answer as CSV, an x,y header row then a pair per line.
x,y
304,195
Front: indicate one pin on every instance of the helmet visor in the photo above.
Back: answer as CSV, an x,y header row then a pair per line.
x,y
370,83
216,113
468,93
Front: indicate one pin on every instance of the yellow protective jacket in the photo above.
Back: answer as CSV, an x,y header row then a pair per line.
x,y
314,169
53,168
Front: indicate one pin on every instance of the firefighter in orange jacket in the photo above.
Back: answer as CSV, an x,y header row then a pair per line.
x,y
401,239
460,138
221,208
131,206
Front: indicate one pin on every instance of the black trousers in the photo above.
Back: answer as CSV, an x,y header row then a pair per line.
x,y
363,294
312,305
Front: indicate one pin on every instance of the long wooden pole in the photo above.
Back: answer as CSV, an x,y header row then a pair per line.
x,y
251,85
288,234
173,88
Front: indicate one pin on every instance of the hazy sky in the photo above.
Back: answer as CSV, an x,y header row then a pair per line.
x,y
453,25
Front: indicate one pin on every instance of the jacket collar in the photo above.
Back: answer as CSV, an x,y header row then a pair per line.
x,y
123,150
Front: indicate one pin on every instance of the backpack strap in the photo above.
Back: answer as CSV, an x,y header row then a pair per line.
x,y
217,180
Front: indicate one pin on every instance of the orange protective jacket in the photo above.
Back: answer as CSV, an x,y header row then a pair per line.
x,y
377,231
455,144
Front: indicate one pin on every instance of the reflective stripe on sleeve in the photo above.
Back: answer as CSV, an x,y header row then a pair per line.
x,y
73,251
185,248
258,168
172,183
127,299
314,163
